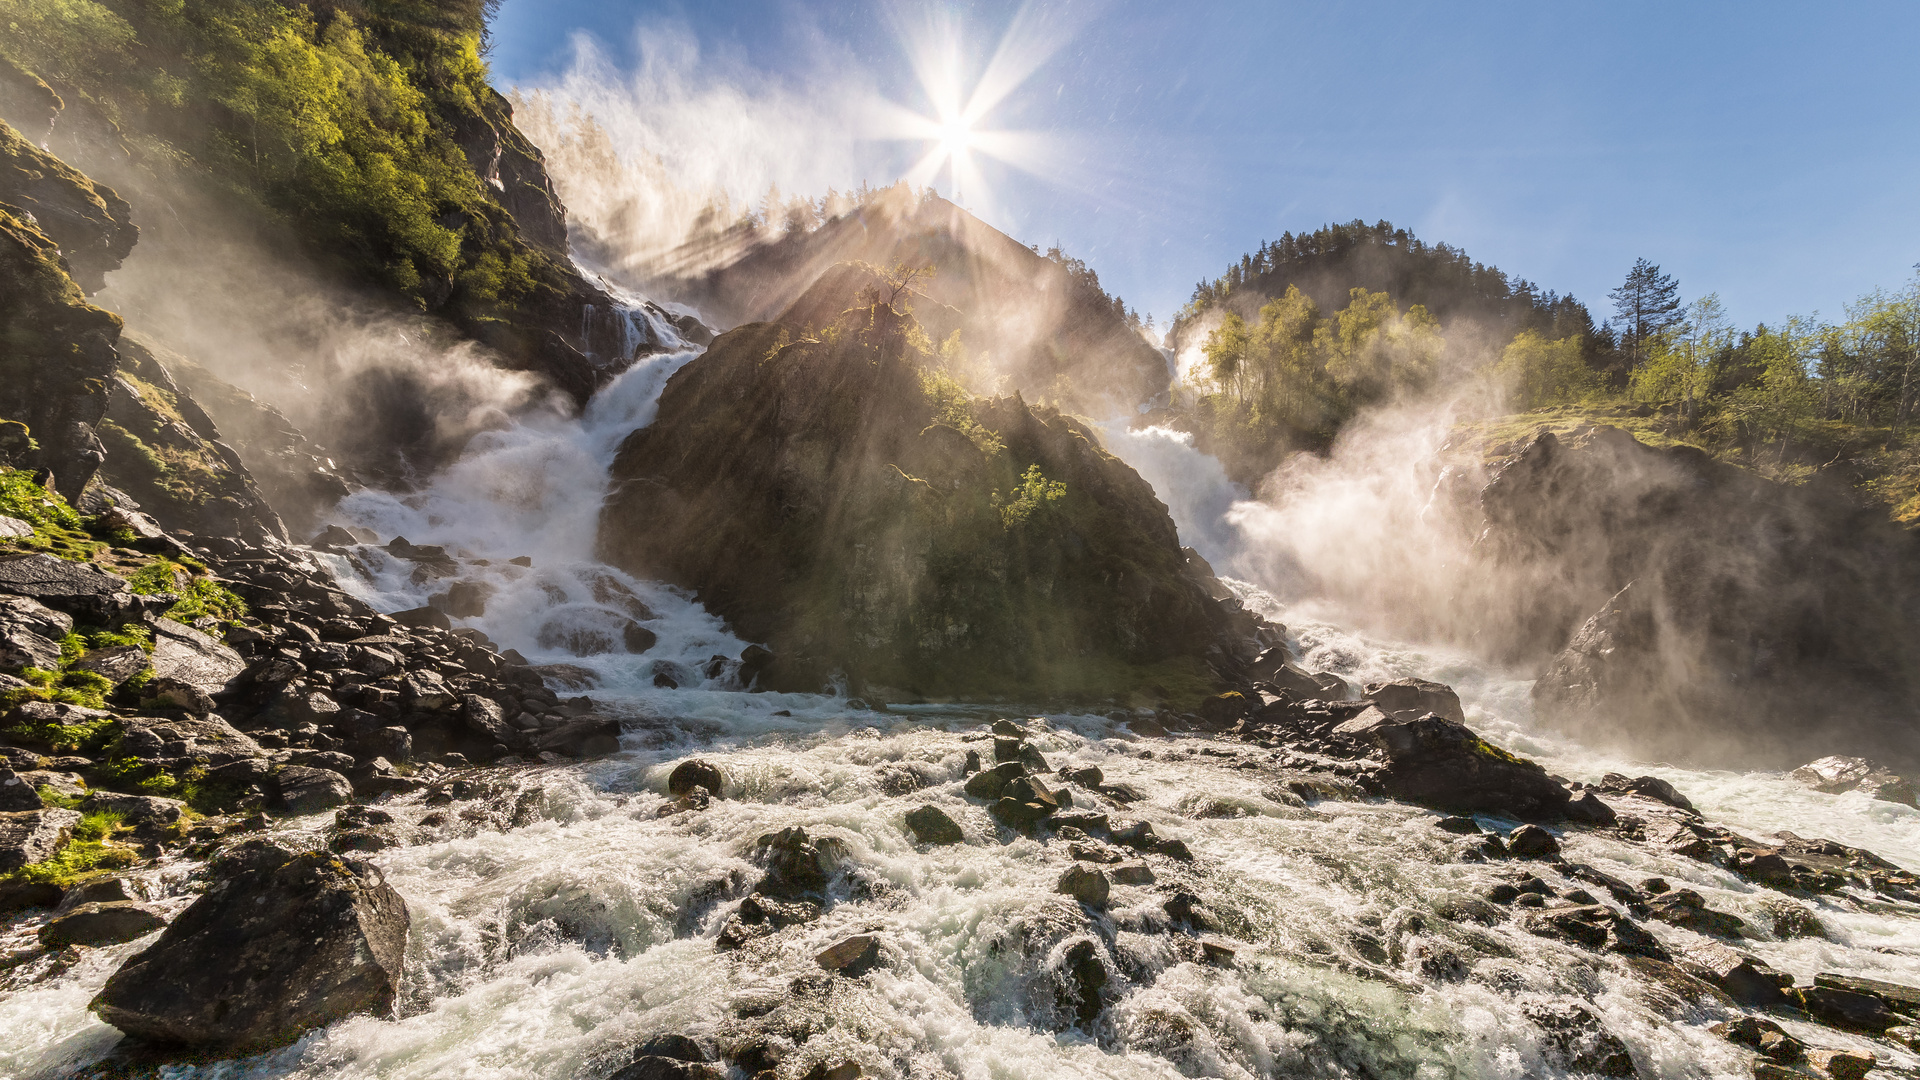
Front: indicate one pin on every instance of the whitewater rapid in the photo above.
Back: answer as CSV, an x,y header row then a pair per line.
x,y
558,919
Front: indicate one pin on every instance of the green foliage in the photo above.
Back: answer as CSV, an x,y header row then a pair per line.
x,y
953,406
1539,372
206,598
333,118
1034,498
50,797
21,498
1294,376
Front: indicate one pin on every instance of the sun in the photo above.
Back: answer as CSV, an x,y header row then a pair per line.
x,y
955,135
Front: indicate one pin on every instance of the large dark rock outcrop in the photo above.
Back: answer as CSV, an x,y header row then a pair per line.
x,y
280,945
835,500
92,224
1705,610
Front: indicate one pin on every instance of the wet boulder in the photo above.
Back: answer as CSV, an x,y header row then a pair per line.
x,y
1576,1036
587,736
305,790
1764,1037
1836,775
1444,765
1842,1008
105,923
695,772
279,945
1647,787
31,836
1686,908
992,783
1088,885
1744,978
1410,699
852,957
932,825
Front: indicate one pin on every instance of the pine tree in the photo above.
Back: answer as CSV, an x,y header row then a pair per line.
x,y
1647,304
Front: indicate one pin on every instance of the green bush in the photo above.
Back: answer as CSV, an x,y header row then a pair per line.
x,y
92,848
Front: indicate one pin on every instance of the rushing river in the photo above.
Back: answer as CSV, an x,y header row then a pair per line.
x,y
559,920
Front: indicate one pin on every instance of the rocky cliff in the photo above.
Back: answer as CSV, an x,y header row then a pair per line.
x,y
839,498
1707,613
1032,325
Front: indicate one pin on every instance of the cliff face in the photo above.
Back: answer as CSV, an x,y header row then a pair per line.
x,y
1035,326
1708,613
838,499
312,173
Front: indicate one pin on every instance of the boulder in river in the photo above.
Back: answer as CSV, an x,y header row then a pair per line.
x,y
108,923
1444,765
1410,699
932,825
278,946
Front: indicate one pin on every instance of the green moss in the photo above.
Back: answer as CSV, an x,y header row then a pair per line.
x,y
21,498
50,797
91,849
201,597
81,688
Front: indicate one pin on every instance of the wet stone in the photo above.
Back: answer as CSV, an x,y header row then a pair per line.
x,y
1088,885
692,773
107,923
1845,1009
1842,1064
1769,1039
1463,826
992,783
1532,842
852,957
932,825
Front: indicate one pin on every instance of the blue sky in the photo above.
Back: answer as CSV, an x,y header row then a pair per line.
x,y
1769,152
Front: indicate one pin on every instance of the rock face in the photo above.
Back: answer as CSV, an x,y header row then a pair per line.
x,y
93,225
880,525
279,946
1034,319
1708,613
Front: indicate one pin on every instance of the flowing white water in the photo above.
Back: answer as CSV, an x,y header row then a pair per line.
x,y
558,920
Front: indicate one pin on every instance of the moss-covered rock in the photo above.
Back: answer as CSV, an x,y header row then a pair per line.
x,y
93,225
844,501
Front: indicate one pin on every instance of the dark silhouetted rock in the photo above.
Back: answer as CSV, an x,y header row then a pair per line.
x,y
423,616
1083,982
1085,884
1444,765
1764,1036
992,783
1686,908
1650,787
695,772
931,825
276,947
1746,979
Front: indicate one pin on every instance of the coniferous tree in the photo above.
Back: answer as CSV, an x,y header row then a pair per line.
x,y
1647,304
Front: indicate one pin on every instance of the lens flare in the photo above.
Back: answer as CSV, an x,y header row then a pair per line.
x,y
954,133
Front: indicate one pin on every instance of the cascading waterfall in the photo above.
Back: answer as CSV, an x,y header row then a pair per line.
x,y
559,919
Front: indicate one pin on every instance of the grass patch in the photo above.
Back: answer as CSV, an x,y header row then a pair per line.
x,y
201,597
92,848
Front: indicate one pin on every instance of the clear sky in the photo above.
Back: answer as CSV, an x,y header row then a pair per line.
x,y
1768,152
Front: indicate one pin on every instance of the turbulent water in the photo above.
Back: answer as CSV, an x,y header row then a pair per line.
x,y
558,920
